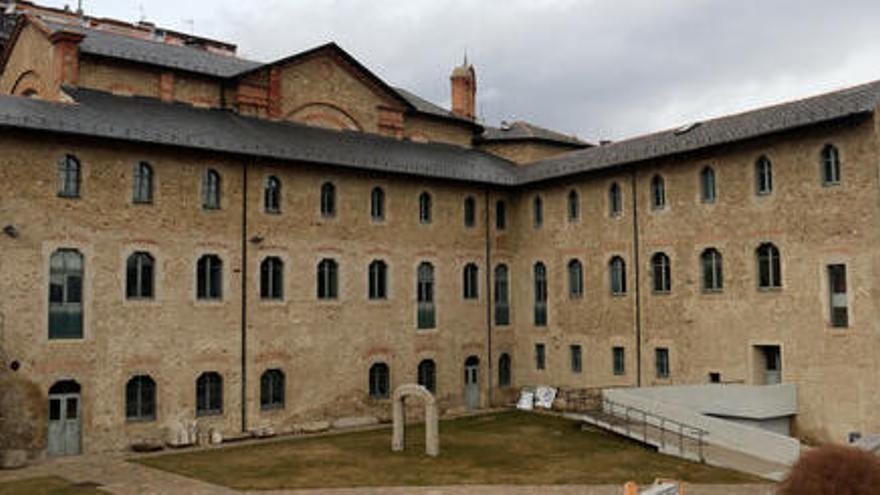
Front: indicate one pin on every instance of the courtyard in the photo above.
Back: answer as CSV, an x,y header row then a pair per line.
x,y
505,448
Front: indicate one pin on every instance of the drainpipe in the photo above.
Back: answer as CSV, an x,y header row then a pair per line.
x,y
637,265
488,295
244,291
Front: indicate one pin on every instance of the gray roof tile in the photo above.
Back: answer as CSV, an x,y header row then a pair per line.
x,y
524,131
147,120
862,99
184,58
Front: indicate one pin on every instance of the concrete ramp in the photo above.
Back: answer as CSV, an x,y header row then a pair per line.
x,y
692,432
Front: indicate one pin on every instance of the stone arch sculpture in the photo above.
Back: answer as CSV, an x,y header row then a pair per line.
x,y
432,437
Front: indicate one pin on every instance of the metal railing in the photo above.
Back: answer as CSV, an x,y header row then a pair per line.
x,y
635,419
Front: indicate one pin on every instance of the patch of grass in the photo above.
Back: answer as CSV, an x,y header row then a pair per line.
x,y
504,448
48,485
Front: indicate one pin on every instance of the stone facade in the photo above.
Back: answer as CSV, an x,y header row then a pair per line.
x,y
326,348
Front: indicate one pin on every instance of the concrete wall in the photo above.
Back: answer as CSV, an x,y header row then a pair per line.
x,y
753,441
744,401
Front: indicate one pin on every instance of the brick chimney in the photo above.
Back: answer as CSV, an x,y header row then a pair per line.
x,y
464,91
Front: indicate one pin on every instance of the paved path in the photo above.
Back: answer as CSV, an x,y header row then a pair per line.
x,y
115,475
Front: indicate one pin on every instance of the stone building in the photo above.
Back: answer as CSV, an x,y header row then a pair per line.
x,y
191,235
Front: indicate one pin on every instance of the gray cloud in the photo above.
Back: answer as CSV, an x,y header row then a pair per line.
x,y
600,69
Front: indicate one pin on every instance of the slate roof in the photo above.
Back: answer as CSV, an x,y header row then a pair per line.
x,y
183,58
147,120
524,131
849,102
424,106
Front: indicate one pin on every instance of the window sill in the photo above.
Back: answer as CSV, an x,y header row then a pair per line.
x,y
713,292
661,292
139,421
66,339
272,408
209,414
272,302
770,289
208,302
140,301
618,294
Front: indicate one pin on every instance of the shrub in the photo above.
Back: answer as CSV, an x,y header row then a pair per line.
x,y
834,470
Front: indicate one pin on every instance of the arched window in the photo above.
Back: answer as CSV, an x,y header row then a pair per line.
x,y
140,399
830,165
574,206
209,277
470,212
538,211
378,280
139,276
209,394
658,193
328,279
328,200
425,295
470,281
617,271
142,187
428,375
713,273
502,296
763,175
379,381
504,371
769,266
272,278
272,389
272,195
500,215
575,279
377,204
540,294
707,185
69,177
425,208
66,294
211,190
615,200
662,272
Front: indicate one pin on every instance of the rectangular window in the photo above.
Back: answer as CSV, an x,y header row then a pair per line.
x,y
661,357
619,360
540,359
714,377
576,359
839,310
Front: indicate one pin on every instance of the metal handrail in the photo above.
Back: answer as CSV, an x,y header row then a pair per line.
x,y
684,431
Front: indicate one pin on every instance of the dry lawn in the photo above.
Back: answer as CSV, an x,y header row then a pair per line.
x,y
502,448
49,485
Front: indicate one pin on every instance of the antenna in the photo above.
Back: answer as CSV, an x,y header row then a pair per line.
x,y
143,13
79,7
192,25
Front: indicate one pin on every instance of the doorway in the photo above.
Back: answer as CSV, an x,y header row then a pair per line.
x,y
472,382
768,364
65,410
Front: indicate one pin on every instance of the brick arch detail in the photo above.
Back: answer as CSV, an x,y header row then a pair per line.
x,y
318,112
28,80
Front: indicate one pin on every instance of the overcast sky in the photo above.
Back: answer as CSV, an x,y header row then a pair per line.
x,y
601,69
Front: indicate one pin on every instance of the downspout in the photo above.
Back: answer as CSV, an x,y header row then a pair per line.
x,y
638,267
488,296
244,291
